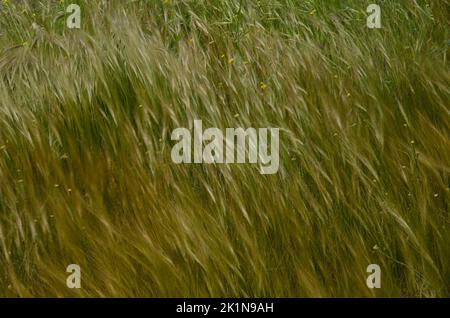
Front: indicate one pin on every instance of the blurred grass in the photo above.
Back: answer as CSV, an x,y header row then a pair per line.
x,y
86,174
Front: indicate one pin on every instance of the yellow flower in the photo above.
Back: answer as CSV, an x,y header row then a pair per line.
x,y
263,85
231,61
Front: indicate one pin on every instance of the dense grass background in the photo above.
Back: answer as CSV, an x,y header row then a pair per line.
x,y
85,169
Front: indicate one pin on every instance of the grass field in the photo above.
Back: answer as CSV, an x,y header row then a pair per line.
x,y
86,176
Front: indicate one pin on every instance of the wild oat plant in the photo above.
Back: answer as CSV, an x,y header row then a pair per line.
x,y
86,175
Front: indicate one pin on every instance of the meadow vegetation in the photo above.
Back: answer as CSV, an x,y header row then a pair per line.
x,y
86,175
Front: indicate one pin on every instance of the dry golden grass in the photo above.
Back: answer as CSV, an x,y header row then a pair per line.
x,y
86,174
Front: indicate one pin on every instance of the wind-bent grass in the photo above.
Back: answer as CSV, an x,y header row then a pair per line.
x,y
86,174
